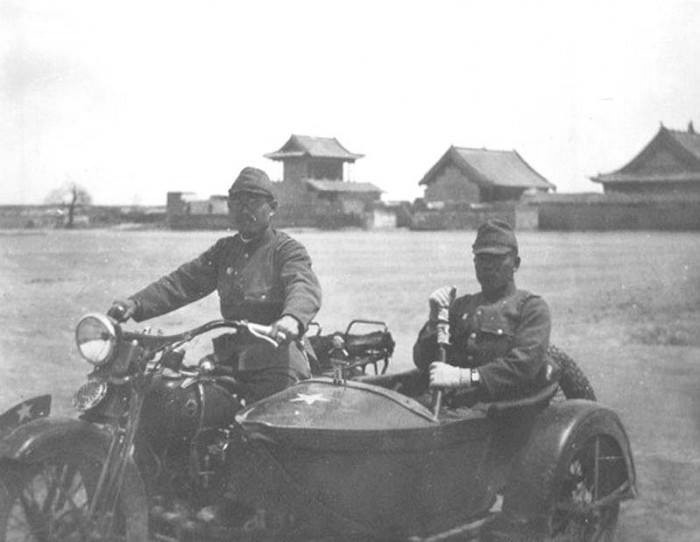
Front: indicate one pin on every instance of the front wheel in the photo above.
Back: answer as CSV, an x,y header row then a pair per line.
x,y
48,500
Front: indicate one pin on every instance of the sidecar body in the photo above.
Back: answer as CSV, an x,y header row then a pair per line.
x,y
374,456
361,459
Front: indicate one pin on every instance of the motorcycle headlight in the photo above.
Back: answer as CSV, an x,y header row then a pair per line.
x,y
96,338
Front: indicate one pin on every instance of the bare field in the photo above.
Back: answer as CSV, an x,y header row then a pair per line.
x,y
626,306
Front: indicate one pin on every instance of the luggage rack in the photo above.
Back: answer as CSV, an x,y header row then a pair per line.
x,y
347,354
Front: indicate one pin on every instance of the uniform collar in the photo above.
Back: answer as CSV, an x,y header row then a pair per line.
x,y
263,237
507,291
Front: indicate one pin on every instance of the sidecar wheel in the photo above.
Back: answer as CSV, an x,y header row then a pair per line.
x,y
570,493
579,488
48,500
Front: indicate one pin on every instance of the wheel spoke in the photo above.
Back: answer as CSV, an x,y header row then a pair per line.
x,y
588,496
596,468
51,506
34,517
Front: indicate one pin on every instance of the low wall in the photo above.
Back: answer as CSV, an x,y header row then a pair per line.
x,y
199,222
522,217
618,215
282,219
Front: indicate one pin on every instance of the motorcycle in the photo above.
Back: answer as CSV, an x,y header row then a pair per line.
x,y
170,452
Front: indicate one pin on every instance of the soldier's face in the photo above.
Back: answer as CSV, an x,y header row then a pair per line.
x,y
251,213
495,271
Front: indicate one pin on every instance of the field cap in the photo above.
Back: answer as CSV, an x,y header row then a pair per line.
x,y
253,181
495,237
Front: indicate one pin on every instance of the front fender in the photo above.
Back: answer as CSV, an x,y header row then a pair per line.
x,y
30,441
36,440
552,437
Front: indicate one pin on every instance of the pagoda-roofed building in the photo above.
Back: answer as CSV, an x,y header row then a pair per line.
x,y
468,175
668,165
313,190
306,157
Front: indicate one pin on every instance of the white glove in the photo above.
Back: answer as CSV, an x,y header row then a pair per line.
x,y
444,375
285,329
440,301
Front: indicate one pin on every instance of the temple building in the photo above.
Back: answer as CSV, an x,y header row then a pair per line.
x,y
668,165
466,175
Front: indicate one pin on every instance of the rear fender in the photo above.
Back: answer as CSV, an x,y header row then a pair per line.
x,y
29,442
552,437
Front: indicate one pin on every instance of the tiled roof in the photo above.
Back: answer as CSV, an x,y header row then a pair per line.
x,y
317,147
342,186
495,167
690,141
686,145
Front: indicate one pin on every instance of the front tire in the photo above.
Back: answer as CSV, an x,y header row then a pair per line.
x,y
47,500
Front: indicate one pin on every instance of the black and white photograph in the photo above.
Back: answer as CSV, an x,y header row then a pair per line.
x,y
349,271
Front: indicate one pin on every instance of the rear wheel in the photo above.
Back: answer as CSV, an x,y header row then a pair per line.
x,y
48,500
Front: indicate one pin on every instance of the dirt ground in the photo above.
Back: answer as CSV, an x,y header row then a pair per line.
x,y
625,305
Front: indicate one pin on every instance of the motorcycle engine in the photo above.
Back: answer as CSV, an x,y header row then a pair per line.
x,y
177,407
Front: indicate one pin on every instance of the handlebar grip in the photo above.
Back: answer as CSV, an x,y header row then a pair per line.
x,y
263,332
118,311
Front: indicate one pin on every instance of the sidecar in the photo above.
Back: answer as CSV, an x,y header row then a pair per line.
x,y
361,460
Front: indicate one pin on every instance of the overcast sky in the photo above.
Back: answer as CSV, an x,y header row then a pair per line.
x,y
134,98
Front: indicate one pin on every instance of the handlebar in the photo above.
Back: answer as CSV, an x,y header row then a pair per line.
x,y
158,342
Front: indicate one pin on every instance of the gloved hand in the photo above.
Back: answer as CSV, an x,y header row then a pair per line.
x,y
122,309
285,329
439,303
444,375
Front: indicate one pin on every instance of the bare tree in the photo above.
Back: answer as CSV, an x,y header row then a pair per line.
x,y
70,195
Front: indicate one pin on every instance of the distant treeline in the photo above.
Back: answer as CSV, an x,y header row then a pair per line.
x,y
56,216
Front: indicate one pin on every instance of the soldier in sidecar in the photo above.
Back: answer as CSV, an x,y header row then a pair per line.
x,y
491,345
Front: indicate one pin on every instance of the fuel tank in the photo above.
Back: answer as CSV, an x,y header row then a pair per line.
x,y
176,407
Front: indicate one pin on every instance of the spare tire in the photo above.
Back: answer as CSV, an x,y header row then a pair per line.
x,y
573,382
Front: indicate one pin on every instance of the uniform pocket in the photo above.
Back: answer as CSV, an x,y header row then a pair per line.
x,y
262,295
493,322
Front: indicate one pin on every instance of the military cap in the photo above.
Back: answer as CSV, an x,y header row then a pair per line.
x,y
253,181
495,237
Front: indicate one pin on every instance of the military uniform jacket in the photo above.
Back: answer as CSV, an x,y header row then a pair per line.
x,y
506,339
260,281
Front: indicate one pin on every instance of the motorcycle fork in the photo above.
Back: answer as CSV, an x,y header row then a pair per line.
x,y
103,505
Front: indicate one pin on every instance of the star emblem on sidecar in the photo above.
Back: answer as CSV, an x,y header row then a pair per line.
x,y
24,412
310,398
